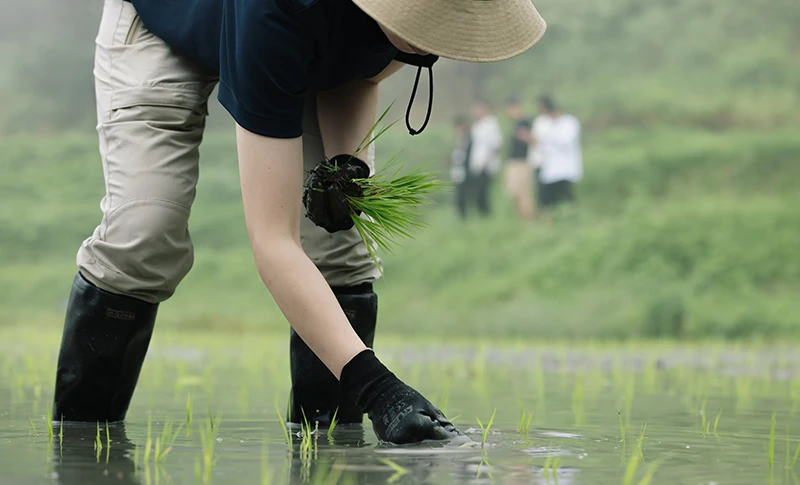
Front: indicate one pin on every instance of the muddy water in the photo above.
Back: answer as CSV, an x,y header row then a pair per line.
x,y
689,415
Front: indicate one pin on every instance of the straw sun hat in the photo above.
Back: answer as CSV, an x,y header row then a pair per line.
x,y
466,30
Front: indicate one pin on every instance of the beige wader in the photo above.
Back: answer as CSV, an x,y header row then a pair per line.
x,y
151,110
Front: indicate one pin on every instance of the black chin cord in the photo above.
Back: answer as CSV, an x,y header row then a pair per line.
x,y
411,130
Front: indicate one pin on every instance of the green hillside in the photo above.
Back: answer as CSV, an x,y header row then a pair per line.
x,y
676,231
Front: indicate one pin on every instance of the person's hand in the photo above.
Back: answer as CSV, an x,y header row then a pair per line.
x,y
399,414
326,190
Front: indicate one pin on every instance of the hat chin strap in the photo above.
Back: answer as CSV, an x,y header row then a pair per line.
x,y
411,130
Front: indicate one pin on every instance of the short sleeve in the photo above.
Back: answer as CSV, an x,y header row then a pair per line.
x,y
264,61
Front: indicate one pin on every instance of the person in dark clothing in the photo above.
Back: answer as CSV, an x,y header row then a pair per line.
x,y
300,79
517,170
459,158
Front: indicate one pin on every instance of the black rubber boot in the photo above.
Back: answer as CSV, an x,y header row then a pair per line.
x,y
315,390
102,349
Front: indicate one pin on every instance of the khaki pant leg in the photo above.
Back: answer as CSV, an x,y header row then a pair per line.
x,y
151,109
341,257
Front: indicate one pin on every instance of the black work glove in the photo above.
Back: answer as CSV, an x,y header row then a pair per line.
x,y
326,190
399,414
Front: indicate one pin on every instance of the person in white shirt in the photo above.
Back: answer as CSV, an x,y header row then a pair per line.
x,y
484,156
556,153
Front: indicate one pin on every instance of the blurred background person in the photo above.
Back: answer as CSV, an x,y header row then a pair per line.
x,y
484,156
517,170
457,163
556,150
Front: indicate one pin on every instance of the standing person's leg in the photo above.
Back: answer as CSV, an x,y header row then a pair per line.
x,y
535,190
347,266
547,198
462,195
151,109
482,182
518,180
569,193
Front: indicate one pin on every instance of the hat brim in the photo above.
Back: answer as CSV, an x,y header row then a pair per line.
x,y
465,30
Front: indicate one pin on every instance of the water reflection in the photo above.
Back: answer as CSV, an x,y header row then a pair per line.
x,y
78,460
350,459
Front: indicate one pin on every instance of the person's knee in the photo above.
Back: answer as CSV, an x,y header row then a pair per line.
x,y
142,249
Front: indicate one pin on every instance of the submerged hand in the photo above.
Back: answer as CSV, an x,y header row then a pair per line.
x,y
399,414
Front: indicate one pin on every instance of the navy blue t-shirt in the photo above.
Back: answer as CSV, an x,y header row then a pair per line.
x,y
271,54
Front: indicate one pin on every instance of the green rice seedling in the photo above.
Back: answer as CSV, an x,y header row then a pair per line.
x,y
33,428
333,424
188,415
98,443
703,420
525,422
485,430
165,442
555,466
716,421
208,440
266,474
306,448
622,429
546,467
398,470
333,475
771,447
484,463
389,200
148,443
284,427
630,470
648,474
61,434
641,442
796,456
49,424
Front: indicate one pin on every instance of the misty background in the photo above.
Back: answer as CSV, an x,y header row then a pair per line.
x,y
687,221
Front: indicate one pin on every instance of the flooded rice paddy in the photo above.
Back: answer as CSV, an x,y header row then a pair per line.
x,y
209,409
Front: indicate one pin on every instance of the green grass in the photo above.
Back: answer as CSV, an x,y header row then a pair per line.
x,y
679,234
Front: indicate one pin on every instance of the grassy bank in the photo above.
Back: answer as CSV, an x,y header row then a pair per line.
x,y
677,233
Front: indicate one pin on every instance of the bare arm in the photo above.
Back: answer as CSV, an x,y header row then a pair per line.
x,y
271,172
346,114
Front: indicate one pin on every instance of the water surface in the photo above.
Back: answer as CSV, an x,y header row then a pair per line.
x,y
690,414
